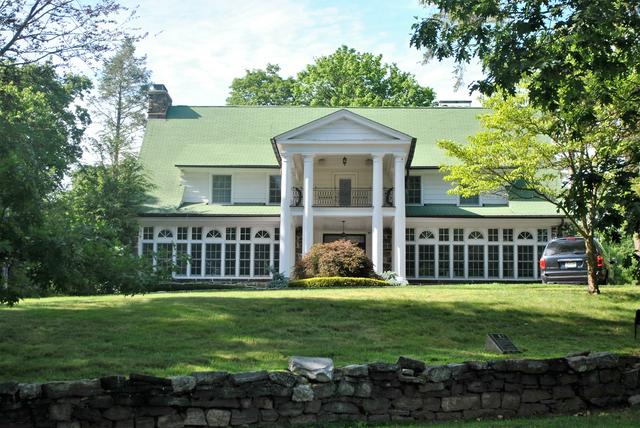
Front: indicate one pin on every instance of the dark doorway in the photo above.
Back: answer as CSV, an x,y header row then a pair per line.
x,y
359,239
344,195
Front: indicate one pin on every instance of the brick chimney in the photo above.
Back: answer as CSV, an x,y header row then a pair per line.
x,y
159,101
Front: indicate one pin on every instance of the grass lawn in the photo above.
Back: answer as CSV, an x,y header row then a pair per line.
x,y
167,334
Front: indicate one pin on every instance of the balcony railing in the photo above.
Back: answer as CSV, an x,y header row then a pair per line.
x,y
335,197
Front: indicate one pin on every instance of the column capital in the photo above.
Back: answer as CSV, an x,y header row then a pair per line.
x,y
399,157
308,157
377,156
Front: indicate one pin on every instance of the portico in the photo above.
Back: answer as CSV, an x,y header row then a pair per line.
x,y
338,168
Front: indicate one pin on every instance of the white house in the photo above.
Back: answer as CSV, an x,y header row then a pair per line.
x,y
240,189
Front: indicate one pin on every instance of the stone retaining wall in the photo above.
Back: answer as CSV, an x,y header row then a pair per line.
x,y
406,391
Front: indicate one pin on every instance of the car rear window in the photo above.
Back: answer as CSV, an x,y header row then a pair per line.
x,y
561,247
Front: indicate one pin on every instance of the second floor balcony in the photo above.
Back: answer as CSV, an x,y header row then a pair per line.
x,y
333,197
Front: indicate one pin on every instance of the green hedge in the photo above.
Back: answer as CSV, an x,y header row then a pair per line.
x,y
337,281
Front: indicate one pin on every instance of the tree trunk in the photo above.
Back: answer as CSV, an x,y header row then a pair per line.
x,y
592,279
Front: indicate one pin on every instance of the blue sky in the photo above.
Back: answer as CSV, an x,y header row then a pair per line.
x,y
196,47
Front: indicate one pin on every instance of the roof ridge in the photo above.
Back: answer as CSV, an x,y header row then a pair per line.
x,y
334,108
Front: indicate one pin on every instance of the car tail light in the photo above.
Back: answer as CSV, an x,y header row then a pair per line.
x,y
543,264
600,261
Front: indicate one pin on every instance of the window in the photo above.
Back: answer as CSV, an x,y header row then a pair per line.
x,y
183,233
261,258
413,190
507,235
276,257
540,252
493,253
214,234
443,261
213,259
181,259
245,259
493,235
543,235
147,251
426,260
262,234
427,234
525,235
525,261
458,234
147,233
470,201
410,235
245,234
276,234
458,261
221,189
165,233
230,259
196,259
274,189
165,256
476,261
476,235
410,256
231,233
443,235
507,261
196,233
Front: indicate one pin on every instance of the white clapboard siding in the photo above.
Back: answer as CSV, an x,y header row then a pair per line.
x,y
196,186
249,187
434,188
341,130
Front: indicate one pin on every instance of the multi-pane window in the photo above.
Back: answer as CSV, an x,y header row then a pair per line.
x,y
262,234
476,261
470,201
147,233
230,259
196,233
426,234
274,189
426,260
245,234
245,259
181,259
543,235
443,235
214,234
458,261
443,261
458,234
525,235
221,189
410,235
276,234
147,251
493,235
231,233
410,256
475,235
196,259
261,258
165,256
507,235
213,259
165,233
413,190
507,261
493,255
183,233
276,257
525,261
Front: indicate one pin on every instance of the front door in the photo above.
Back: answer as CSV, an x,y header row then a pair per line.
x,y
344,192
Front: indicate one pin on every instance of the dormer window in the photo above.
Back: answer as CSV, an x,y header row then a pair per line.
x,y
471,201
413,191
274,189
221,189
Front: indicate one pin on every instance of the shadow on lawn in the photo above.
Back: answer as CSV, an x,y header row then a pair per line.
x,y
171,335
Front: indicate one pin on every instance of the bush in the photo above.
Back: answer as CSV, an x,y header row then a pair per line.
x,y
339,258
338,281
626,269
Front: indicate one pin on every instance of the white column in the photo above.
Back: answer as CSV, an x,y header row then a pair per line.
x,y
307,217
376,218
286,238
399,220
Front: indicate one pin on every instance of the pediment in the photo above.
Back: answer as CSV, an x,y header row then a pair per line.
x,y
342,125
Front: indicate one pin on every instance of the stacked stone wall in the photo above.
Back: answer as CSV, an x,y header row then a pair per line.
x,y
408,390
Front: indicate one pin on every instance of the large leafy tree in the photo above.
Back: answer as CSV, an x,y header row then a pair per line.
x,y
120,103
344,78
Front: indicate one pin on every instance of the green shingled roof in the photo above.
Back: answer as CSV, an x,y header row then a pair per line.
x,y
241,136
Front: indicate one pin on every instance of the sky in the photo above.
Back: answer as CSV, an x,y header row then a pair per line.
x,y
197,47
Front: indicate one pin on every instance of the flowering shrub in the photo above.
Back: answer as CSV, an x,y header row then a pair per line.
x,y
339,258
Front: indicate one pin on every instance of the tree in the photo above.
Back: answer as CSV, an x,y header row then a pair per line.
x,y
60,29
526,150
40,130
120,104
344,78
262,87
